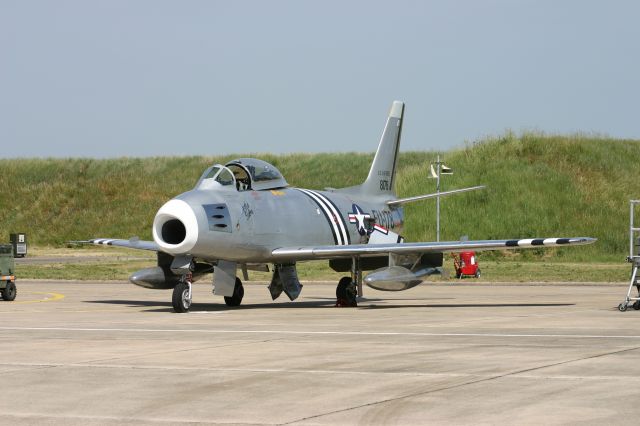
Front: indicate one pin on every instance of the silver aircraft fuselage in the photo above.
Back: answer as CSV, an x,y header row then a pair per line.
x,y
246,226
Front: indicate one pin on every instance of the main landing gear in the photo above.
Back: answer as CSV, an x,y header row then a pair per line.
x,y
346,293
182,295
238,294
349,288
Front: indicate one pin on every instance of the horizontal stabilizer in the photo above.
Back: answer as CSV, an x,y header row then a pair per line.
x,y
401,201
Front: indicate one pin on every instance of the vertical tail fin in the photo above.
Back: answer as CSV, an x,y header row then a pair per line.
x,y
381,179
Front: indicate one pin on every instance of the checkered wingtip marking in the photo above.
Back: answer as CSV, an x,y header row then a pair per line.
x,y
102,241
537,242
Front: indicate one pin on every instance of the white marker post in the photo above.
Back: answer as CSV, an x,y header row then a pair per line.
x,y
441,170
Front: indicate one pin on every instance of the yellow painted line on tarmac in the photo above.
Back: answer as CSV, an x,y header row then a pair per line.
x,y
52,297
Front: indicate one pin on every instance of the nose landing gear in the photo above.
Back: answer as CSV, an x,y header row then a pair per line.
x,y
181,299
182,296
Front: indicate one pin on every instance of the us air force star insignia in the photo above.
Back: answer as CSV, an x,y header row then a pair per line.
x,y
358,217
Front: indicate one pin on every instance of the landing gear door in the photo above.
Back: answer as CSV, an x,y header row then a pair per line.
x,y
224,278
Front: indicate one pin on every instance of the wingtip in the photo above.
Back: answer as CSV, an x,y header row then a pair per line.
x,y
584,240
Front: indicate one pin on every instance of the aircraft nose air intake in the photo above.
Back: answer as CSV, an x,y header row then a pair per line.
x,y
173,231
175,227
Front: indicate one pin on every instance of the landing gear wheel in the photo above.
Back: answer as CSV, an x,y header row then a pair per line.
x,y
346,293
622,307
477,275
238,294
181,299
636,305
10,291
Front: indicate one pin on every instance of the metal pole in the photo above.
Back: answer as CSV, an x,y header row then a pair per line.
x,y
631,230
438,201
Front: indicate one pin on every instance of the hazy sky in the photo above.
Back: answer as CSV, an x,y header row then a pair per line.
x,y
146,77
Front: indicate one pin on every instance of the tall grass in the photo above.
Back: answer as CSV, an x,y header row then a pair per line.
x,y
537,185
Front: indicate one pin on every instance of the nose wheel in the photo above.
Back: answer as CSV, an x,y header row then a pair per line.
x,y
181,299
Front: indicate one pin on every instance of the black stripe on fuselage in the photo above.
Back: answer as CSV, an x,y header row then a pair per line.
x,y
338,224
326,212
343,229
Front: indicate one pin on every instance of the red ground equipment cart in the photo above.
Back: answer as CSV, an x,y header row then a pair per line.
x,y
466,264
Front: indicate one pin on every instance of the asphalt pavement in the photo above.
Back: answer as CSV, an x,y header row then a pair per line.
x,y
85,353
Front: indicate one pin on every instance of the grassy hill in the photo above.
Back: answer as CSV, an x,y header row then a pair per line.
x,y
538,185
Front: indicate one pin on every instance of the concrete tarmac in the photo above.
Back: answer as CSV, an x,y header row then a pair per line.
x,y
113,353
50,260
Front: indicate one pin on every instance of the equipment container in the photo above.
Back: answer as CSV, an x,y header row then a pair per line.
x,y
7,273
466,265
19,243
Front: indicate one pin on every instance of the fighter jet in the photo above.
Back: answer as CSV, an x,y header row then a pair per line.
x,y
243,216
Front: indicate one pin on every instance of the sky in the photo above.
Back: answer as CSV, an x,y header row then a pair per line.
x,y
139,78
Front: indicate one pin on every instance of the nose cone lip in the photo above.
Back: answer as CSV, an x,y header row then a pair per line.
x,y
175,227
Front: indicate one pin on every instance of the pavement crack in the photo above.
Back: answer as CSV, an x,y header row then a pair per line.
x,y
27,367
177,351
47,418
459,385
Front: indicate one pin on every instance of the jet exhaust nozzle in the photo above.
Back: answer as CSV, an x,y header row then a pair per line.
x,y
175,227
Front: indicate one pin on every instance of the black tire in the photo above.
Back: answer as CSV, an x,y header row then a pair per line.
x,y
238,294
622,307
477,275
636,305
10,291
341,289
179,298
346,293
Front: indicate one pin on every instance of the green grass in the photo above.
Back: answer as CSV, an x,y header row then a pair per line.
x,y
102,271
115,268
538,185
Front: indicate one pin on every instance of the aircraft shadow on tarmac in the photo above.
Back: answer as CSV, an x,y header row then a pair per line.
x,y
213,307
430,304
320,303
471,305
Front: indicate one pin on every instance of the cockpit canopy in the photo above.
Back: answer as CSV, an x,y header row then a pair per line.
x,y
242,174
257,173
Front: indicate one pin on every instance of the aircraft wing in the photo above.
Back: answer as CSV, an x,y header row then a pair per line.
x,y
331,252
133,243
